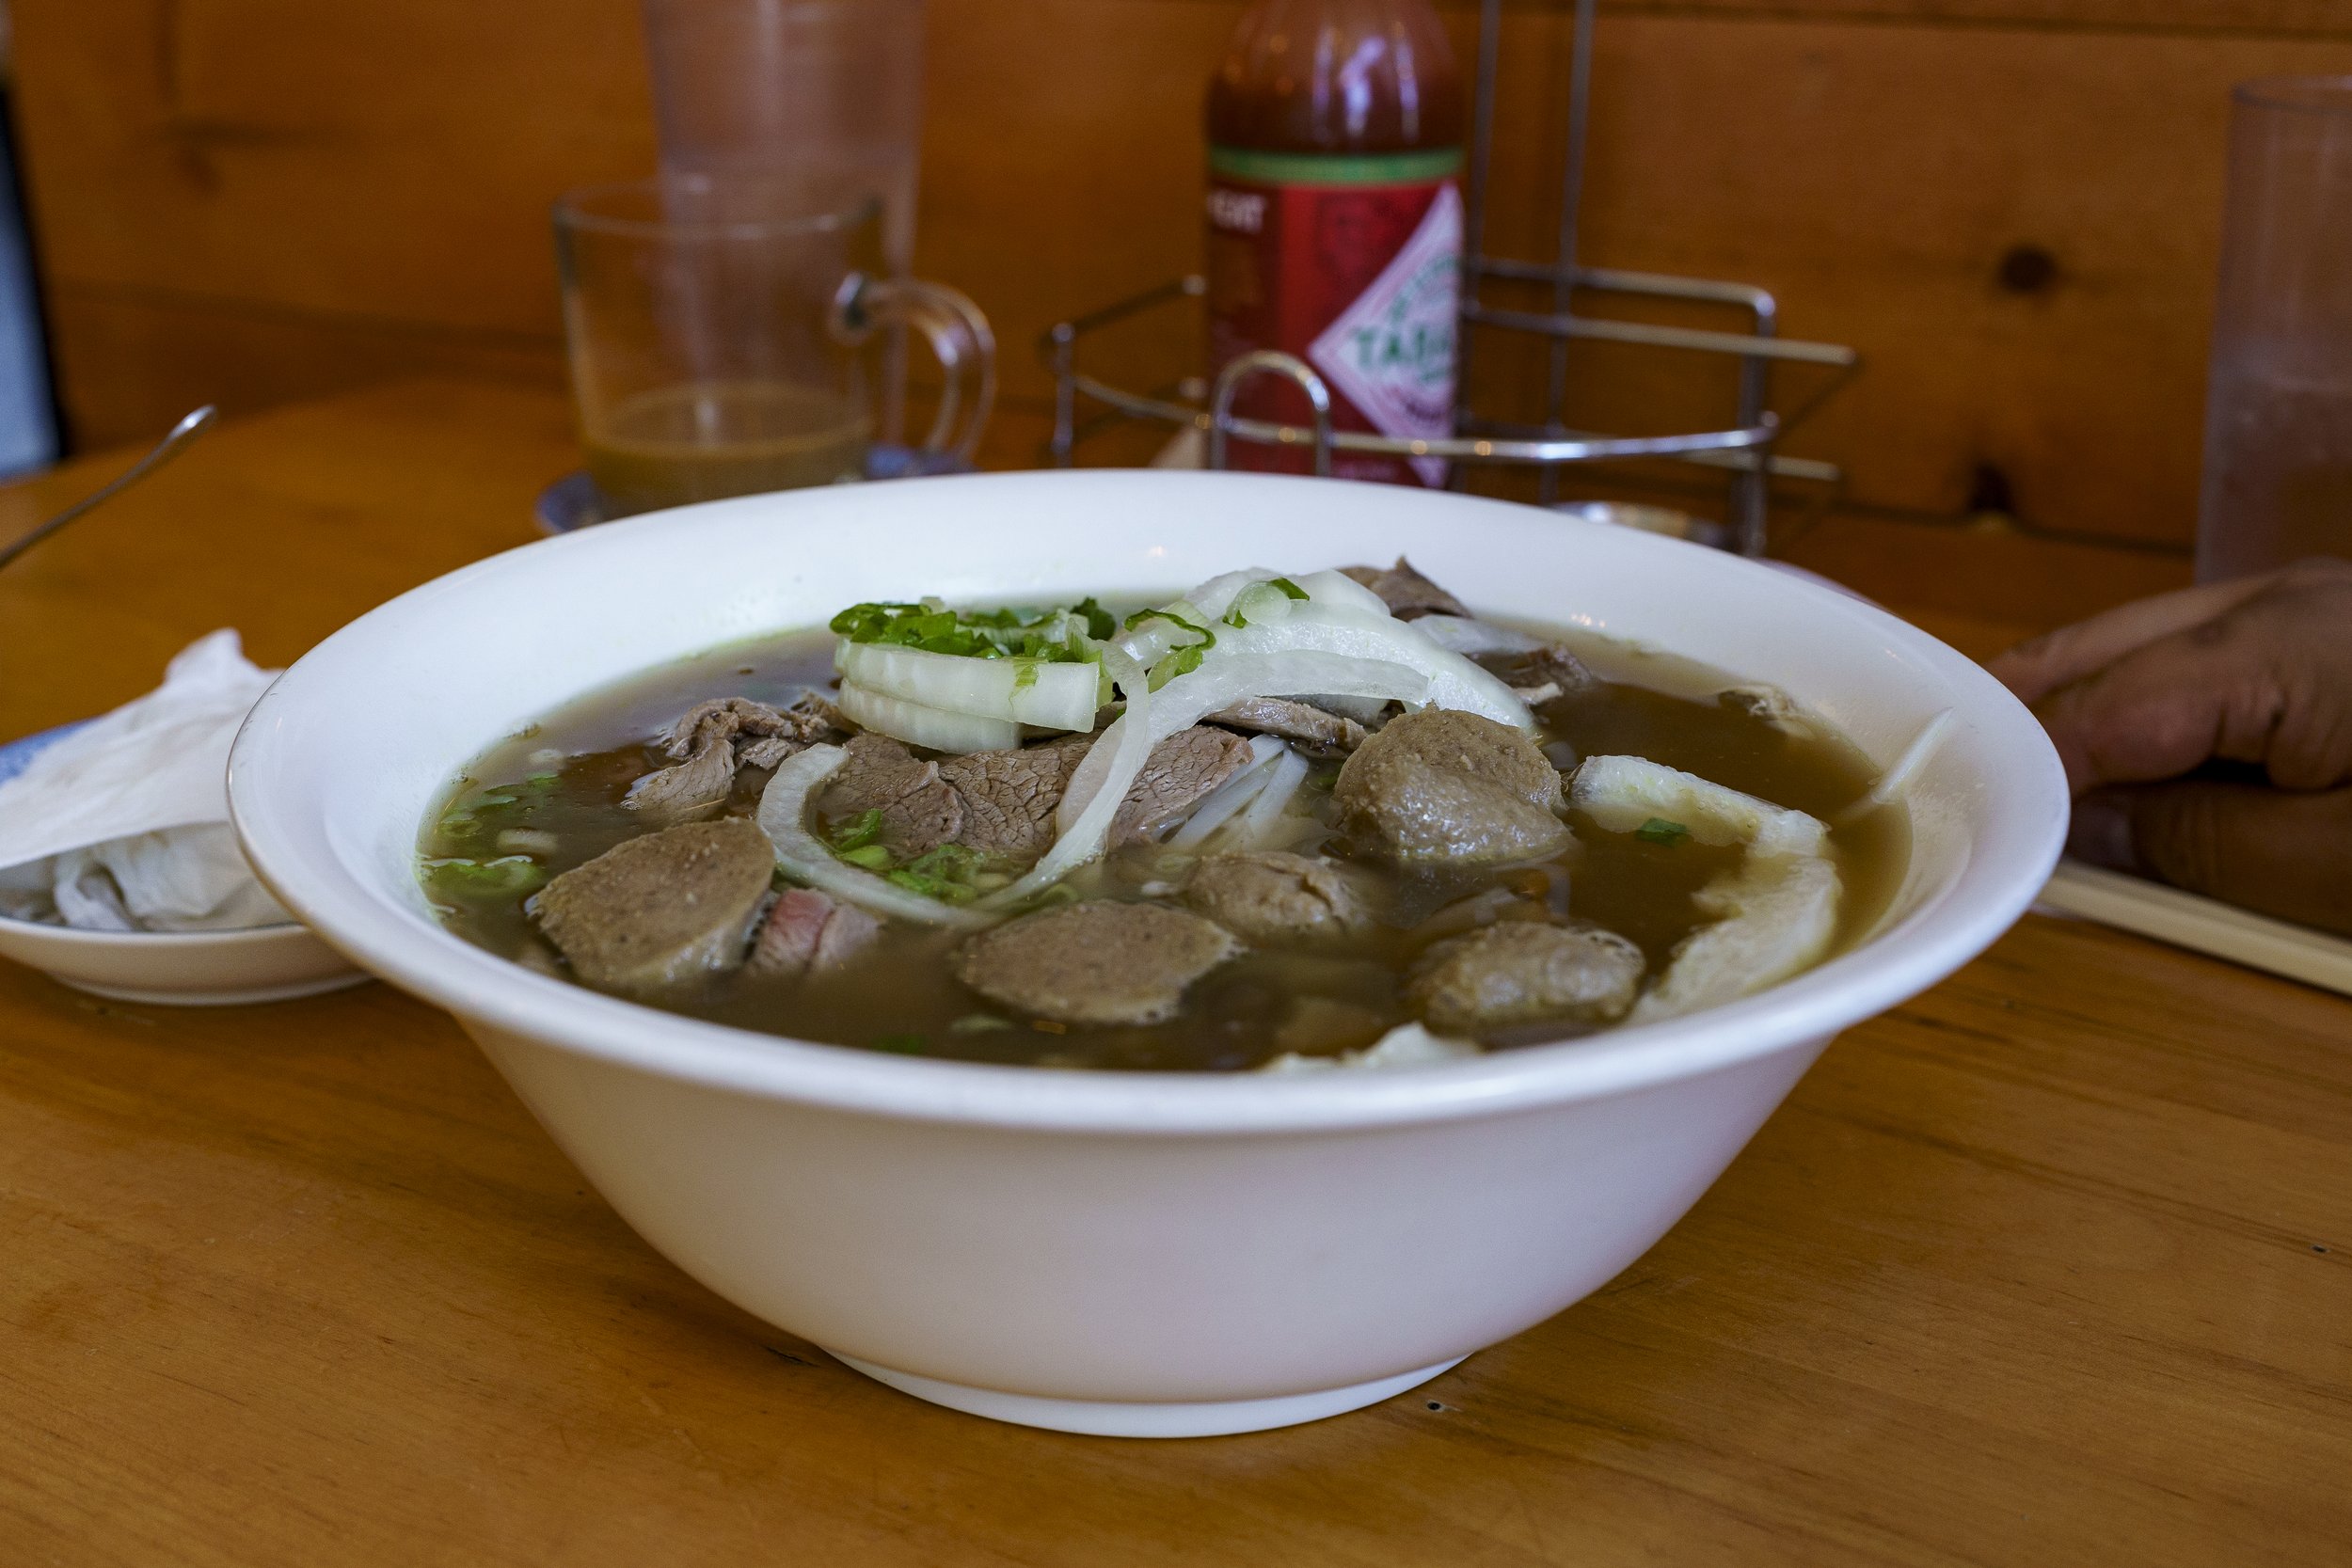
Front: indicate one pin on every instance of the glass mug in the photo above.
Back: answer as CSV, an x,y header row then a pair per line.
x,y
715,328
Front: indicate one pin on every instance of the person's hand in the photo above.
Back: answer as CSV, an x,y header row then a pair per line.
x,y
2256,673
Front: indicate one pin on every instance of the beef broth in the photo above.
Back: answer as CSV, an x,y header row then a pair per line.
x,y
554,797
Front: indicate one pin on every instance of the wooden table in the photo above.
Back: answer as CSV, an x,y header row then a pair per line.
x,y
2053,1265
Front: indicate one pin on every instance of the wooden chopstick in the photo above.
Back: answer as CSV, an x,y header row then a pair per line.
x,y
2205,925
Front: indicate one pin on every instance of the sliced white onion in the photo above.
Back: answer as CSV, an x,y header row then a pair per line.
x,y
1101,781
1892,785
1454,682
1214,597
1117,757
1224,678
1232,794
783,817
1272,801
1623,793
920,726
1259,603
1471,638
1154,638
1407,1045
1015,691
1335,588
1776,915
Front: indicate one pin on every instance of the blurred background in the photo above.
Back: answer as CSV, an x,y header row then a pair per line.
x,y
2011,207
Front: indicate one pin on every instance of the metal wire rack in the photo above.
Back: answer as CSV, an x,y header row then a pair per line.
x,y
1746,452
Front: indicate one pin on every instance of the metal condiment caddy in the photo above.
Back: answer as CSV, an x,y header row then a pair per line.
x,y
1746,451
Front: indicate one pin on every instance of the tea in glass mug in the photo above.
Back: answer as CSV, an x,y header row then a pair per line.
x,y
716,330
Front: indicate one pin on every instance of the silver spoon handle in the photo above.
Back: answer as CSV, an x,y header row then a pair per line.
x,y
164,452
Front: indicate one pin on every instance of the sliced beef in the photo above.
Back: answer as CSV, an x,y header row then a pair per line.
x,y
807,933
1542,674
1769,703
1406,592
1316,731
920,811
699,784
1181,772
1443,785
1521,972
1002,803
710,740
1008,797
764,736
1096,962
1275,899
660,908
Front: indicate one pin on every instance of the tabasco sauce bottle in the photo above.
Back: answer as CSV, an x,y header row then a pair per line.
x,y
1335,220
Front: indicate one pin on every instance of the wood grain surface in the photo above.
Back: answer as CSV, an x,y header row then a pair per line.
x,y
2011,207
2051,1265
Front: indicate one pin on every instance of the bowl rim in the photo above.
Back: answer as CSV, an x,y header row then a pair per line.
x,y
2005,871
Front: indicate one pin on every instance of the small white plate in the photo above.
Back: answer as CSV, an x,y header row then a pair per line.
x,y
188,968
270,964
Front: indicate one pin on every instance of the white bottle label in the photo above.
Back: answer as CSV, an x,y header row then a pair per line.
x,y
1391,352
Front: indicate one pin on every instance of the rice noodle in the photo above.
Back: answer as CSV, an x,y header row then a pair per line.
x,y
1232,794
1274,800
783,817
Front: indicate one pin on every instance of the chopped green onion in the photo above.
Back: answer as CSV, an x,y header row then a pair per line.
x,y
946,874
871,857
498,878
909,1044
1290,590
1026,676
978,1023
1099,621
1658,830
864,830
1051,636
1208,638
1183,661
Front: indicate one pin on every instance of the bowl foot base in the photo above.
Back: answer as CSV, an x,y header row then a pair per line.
x,y
1174,1419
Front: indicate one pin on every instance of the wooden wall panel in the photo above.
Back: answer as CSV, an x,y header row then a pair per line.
x,y
264,198
157,355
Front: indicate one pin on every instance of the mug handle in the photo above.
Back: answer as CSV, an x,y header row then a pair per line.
x,y
960,338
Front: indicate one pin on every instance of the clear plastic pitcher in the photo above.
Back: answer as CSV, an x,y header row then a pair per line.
x,y
2278,482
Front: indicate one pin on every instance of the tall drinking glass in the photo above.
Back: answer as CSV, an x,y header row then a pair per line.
x,y
715,331
2278,482
826,94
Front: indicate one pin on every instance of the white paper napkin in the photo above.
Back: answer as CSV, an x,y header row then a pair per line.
x,y
123,824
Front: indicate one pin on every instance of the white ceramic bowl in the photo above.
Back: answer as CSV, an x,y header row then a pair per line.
x,y
1104,1252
